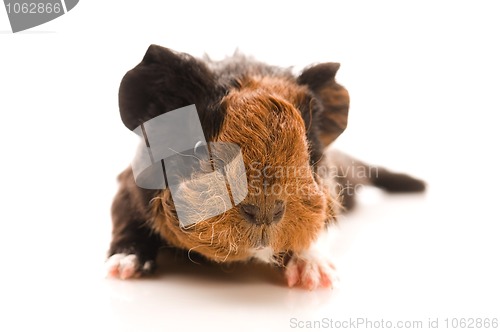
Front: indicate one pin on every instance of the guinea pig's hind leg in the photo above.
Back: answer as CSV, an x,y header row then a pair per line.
x,y
311,270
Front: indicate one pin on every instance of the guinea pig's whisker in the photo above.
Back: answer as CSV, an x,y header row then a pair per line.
x,y
318,161
189,254
213,234
228,252
185,155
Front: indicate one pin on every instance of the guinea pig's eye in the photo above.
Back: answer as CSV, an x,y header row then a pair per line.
x,y
279,210
249,210
200,150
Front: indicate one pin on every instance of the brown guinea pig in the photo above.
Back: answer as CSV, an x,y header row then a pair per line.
x,y
281,124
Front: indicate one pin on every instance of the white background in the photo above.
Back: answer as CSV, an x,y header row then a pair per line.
x,y
424,79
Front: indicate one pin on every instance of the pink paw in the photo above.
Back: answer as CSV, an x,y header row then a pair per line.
x,y
311,272
125,266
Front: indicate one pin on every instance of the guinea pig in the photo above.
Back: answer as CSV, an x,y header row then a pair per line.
x,y
281,124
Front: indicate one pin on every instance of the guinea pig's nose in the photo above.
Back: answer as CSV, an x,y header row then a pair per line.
x,y
255,215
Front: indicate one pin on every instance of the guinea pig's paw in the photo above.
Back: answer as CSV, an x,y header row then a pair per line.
x,y
310,271
127,266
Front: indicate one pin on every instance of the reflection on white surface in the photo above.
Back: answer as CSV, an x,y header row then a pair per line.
x,y
394,263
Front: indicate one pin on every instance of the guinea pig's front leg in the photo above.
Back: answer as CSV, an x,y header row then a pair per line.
x,y
310,269
133,251
134,245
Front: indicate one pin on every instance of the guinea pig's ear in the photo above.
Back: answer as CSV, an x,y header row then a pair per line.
x,y
162,82
333,97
